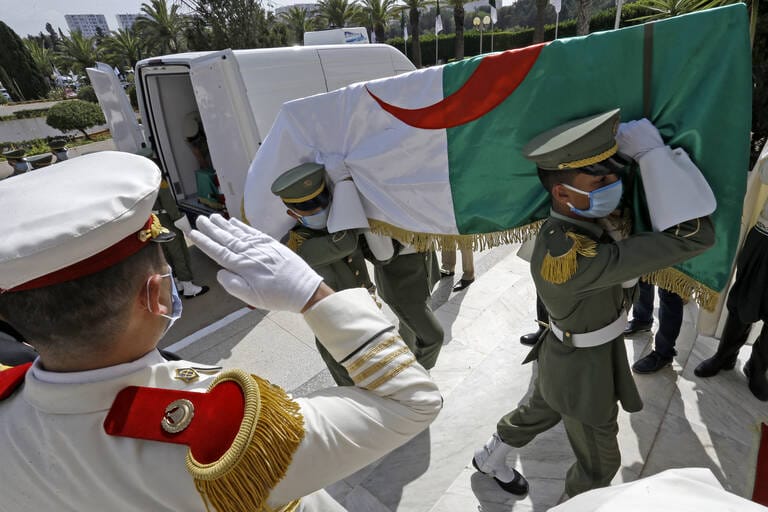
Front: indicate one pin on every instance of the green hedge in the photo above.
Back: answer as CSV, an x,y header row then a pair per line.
x,y
506,40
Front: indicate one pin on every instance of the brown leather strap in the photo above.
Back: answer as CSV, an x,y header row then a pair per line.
x,y
647,68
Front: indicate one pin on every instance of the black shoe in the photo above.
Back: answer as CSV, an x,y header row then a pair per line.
x,y
651,363
464,283
518,485
758,384
712,366
446,273
531,338
634,327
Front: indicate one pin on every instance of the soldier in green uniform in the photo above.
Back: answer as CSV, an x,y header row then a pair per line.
x,y
337,257
579,270
405,283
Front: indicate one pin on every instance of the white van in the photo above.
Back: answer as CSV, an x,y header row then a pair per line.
x,y
347,35
237,94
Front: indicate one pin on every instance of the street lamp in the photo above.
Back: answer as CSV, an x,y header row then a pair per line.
x,y
481,25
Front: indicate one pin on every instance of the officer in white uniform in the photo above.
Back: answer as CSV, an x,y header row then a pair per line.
x,y
101,421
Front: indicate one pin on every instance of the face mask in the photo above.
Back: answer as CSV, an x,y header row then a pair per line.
x,y
176,305
318,220
602,201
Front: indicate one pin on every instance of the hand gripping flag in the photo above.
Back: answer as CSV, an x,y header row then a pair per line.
x,y
435,155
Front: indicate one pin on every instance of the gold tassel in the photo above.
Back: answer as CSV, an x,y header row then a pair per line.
x,y
477,242
295,240
271,431
685,286
559,269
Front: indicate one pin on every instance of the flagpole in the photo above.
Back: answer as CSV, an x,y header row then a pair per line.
x,y
491,35
557,19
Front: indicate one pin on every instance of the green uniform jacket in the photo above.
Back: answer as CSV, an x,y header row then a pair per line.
x,y
338,258
578,271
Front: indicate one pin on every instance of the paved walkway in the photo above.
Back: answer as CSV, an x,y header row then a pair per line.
x,y
686,421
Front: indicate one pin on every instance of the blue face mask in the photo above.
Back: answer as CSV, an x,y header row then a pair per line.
x,y
602,201
318,220
176,305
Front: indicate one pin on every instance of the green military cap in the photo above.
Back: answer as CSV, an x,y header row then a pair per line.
x,y
576,144
300,184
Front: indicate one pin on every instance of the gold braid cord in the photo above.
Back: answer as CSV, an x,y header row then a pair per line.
x,y
271,431
477,242
559,269
686,287
294,241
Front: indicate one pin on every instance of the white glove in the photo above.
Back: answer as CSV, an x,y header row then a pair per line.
x,y
259,270
636,138
183,224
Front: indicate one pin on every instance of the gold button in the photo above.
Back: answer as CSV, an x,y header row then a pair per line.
x,y
349,260
357,272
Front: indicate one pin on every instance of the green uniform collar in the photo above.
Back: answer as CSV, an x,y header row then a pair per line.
x,y
591,227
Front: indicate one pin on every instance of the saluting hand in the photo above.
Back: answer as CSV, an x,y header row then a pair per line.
x,y
258,269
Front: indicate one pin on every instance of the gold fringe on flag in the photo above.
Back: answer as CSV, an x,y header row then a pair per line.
x,y
270,432
476,242
685,286
559,269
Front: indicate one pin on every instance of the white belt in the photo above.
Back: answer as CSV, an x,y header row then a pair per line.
x,y
595,338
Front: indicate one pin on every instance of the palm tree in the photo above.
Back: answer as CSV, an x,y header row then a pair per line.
x,y
79,51
538,27
458,20
336,13
162,28
379,13
297,21
583,14
43,57
414,13
125,47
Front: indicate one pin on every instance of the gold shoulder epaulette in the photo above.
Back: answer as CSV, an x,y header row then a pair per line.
x,y
295,240
559,269
241,434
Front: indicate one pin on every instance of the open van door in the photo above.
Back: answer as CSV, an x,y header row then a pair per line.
x,y
230,127
126,132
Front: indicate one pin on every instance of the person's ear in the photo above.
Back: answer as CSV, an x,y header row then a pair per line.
x,y
151,296
561,194
292,214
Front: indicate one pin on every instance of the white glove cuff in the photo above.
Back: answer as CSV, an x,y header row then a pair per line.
x,y
675,189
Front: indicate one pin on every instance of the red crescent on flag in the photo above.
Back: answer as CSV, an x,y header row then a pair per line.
x,y
495,78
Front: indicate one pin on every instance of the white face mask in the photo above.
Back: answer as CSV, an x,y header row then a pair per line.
x,y
176,305
317,220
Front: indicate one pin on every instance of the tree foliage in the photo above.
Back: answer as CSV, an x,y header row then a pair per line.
x,y
18,71
161,26
79,52
234,24
337,13
297,21
75,115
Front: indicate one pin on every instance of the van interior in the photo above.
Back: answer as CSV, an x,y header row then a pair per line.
x,y
169,99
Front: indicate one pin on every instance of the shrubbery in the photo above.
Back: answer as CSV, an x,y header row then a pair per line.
x,y
75,115
86,93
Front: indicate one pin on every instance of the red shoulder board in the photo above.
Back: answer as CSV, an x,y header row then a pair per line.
x,y
11,379
206,422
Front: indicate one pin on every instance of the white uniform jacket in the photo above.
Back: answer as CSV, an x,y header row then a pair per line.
x,y
55,454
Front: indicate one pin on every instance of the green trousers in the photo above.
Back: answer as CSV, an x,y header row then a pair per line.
x,y
595,446
176,251
405,284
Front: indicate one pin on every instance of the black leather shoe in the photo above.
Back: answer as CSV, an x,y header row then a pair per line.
x,y
446,273
758,384
464,283
518,485
634,327
651,363
531,338
712,366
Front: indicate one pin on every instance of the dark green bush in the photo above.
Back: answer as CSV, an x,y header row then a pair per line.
x,y
75,115
86,93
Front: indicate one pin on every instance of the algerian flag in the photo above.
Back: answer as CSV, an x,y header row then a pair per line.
x,y
435,155
494,17
556,4
438,23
